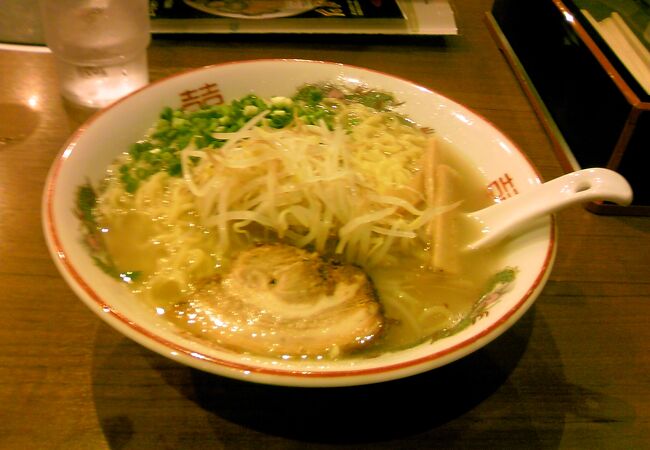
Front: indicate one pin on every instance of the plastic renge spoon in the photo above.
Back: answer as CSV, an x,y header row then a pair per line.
x,y
514,214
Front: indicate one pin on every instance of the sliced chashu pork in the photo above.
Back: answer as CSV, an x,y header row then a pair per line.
x,y
282,300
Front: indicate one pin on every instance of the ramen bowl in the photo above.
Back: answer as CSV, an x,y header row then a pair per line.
x,y
505,169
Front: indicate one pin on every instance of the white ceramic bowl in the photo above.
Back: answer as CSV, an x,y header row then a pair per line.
x,y
86,155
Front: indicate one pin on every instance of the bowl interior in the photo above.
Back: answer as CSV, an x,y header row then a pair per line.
x,y
110,132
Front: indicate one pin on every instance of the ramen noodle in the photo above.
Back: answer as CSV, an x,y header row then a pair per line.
x,y
337,173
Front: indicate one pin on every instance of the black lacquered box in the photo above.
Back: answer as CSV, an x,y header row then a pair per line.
x,y
594,110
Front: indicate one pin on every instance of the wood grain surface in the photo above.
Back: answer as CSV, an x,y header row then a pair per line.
x,y
573,373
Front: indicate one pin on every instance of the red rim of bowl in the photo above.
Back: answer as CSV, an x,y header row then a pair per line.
x,y
64,264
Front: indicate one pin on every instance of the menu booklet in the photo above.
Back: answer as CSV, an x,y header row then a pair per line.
x,y
400,17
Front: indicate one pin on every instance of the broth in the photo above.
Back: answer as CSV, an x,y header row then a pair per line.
x,y
366,198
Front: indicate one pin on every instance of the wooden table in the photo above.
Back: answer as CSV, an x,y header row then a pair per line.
x,y
573,373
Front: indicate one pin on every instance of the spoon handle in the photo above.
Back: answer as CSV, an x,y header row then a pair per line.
x,y
502,219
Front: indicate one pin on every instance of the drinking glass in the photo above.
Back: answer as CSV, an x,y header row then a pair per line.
x,y
100,47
